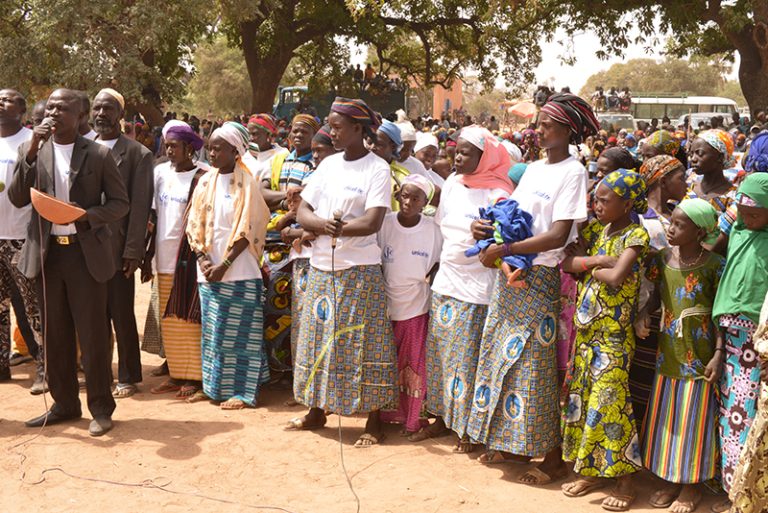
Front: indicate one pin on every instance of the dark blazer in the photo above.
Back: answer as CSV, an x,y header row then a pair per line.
x,y
136,166
94,184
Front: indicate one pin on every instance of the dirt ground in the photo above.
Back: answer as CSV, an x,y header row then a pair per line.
x,y
166,455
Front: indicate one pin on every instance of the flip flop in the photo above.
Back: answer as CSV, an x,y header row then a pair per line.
x,y
372,439
124,390
587,487
542,478
665,504
493,457
187,391
298,424
627,499
464,446
197,397
234,404
166,387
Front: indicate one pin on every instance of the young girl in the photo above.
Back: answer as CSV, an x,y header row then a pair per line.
x,y
600,435
410,248
680,439
737,308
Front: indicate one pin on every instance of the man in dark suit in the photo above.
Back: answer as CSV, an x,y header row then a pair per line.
x,y
135,163
74,261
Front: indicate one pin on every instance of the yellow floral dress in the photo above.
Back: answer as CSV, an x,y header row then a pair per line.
x,y
600,435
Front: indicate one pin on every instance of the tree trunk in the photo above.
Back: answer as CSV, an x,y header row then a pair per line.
x,y
264,70
149,112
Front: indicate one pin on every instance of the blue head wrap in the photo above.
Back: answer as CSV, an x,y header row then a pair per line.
x,y
393,132
757,156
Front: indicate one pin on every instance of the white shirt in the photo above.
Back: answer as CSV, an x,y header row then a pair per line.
x,y
550,193
13,221
407,255
108,143
461,277
353,187
170,202
261,164
435,178
245,266
62,158
91,135
414,166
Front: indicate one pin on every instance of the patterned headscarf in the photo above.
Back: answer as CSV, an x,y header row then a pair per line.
x,y
357,110
308,120
723,143
264,121
235,134
656,168
756,160
323,136
573,112
628,185
663,141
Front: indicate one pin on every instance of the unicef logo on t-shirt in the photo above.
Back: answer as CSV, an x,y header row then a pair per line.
x,y
387,254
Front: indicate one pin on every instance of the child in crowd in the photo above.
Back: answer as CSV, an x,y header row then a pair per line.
x,y
680,439
410,250
737,309
600,435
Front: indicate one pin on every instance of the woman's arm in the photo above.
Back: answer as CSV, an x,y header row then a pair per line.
x,y
367,224
581,264
215,273
615,276
555,238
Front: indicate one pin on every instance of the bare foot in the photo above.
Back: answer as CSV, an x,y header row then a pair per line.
x,y
582,486
553,468
464,446
234,404
722,506
493,457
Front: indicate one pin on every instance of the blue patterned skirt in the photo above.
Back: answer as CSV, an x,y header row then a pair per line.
x,y
348,366
515,405
234,360
453,346
300,282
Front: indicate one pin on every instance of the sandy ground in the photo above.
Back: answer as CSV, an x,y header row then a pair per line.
x,y
206,459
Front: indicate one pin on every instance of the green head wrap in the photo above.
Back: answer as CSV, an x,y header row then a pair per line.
x,y
703,215
755,186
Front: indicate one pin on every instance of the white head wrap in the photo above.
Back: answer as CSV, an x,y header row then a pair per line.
x,y
114,94
424,140
407,132
514,151
235,134
475,134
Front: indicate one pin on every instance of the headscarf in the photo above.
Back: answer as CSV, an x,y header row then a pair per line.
x,y
620,156
308,120
744,284
358,110
703,215
515,154
628,185
756,160
407,131
574,113
656,168
663,141
517,171
185,134
420,182
235,134
250,212
723,143
264,121
170,124
323,136
392,131
491,172
114,94
425,141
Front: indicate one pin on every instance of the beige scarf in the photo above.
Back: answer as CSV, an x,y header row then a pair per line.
x,y
251,212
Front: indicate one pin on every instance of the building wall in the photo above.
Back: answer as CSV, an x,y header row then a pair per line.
x,y
447,99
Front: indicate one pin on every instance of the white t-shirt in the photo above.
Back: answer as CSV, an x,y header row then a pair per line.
x,y
550,193
245,266
92,135
108,143
435,178
261,164
353,187
461,277
407,255
414,166
62,158
13,221
170,202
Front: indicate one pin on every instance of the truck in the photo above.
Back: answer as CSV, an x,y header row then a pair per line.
x,y
289,99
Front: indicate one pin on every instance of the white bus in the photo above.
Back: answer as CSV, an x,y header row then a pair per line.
x,y
645,108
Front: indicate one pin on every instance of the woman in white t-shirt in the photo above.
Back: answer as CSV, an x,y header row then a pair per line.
x,y
462,288
175,263
515,408
410,249
226,229
345,356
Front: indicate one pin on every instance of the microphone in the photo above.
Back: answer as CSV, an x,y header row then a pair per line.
x,y
46,122
336,217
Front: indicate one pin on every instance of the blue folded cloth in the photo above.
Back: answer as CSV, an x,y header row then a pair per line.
x,y
511,224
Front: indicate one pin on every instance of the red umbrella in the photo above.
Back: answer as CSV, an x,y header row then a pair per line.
x,y
523,109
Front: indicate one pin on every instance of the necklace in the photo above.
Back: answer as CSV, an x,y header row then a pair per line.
x,y
690,263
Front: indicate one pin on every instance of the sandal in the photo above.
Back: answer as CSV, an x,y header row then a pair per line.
x,y
686,506
197,397
587,487
494,457
427,433
167,386
464,446
300,424
187,390
627,501
124,390
537,477
234,403
368,440
721,507
659,504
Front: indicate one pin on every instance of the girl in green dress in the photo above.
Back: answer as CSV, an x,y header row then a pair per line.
x,y
600,436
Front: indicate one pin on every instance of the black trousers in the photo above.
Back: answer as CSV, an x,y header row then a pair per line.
x,y
121,293
73,303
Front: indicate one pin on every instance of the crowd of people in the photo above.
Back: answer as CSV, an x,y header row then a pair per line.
x,y
595,300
